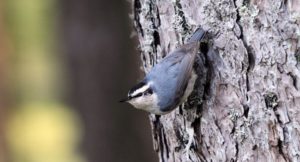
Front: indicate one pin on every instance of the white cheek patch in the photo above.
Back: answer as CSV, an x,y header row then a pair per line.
x,y
141,90
147,103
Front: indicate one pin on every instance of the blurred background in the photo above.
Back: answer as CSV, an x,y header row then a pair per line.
x,y
64,65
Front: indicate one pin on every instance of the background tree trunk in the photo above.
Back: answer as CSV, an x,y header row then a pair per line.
x,y
98,52
3,83
249,79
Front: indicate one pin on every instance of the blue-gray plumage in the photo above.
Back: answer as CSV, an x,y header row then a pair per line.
x,y
170,77
169,82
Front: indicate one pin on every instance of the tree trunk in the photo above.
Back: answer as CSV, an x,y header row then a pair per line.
x,y
96,48
3,83
246,103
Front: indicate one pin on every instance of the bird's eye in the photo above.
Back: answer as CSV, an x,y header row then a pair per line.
x,y
149,91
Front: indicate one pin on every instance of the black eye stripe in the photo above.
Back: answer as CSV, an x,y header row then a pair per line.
x,y
147,92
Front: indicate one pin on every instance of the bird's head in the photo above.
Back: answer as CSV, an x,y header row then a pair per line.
x,y
142,96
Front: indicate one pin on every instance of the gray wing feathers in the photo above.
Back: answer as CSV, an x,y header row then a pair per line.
x,y
184,74
181,61
173,72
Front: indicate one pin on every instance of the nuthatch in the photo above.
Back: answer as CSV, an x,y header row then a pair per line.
x,y
169,82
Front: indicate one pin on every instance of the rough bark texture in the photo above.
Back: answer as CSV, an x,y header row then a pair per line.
x,y
247,95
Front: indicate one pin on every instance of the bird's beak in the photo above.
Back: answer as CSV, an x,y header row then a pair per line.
x,y
125,99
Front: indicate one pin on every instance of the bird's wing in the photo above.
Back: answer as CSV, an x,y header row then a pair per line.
x,y
182,60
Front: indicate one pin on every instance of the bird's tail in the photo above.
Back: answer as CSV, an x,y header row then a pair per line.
x,y
198,35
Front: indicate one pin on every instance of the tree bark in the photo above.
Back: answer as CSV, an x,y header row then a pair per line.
x,y
245,106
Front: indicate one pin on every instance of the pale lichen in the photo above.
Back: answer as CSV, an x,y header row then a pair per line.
x,y
249,12
233,114
271,100
179,22
148,17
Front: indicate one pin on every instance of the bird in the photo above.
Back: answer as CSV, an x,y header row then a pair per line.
x,y
170,82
